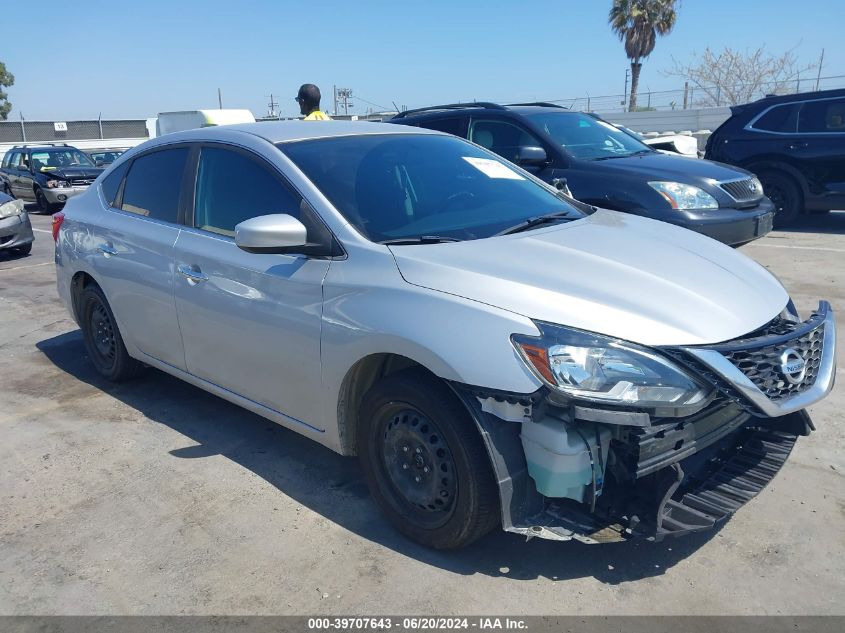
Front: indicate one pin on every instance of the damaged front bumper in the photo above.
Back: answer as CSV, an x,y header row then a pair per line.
x,y
667,476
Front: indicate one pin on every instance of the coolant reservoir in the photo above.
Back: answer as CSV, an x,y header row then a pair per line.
x,y
558,456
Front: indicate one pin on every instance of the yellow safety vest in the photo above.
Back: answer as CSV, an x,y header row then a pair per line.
x,y
317,115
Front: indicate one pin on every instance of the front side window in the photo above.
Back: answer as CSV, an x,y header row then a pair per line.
x,y
406,186
502,137
153,185
826,116
586,137
49,160
782,118
111,184
232,187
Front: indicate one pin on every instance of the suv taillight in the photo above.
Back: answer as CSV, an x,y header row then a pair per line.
x,y
58,218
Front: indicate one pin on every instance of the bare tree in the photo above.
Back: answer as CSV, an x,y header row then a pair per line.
x,y
733,77
6,79
638,23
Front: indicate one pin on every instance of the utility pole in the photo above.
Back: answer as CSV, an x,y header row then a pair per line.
x,y
334,92
219,99
686,95
343,96
625,94
819,74
272,112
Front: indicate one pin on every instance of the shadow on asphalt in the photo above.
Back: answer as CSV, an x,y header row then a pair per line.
x,y
332,486
832,223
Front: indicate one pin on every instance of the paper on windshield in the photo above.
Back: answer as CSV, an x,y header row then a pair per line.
x,y
492,168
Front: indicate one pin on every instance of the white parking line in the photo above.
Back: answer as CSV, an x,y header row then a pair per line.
x,y
41,230
30,266
803,248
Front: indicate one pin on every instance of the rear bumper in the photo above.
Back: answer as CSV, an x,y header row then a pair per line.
x,y
15,231
729,226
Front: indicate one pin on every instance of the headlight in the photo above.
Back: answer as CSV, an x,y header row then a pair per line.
x,y
595,368
682,196
11,208
52,184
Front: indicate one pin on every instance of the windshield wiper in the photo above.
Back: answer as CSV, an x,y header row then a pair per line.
x,y
539,220
421,239
639,152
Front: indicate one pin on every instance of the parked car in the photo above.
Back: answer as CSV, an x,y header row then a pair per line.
x,y
608,168
493,352
683,144
15,228
48,175
103,157
796,146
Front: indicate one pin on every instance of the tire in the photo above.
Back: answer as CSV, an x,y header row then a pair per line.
x,y
41,201
24,250
425,463
103,341
786,195
8,190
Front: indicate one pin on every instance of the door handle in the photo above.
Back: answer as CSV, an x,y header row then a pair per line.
x,y
107,250
193,276
797,145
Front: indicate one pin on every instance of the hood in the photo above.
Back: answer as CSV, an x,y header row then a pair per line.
x,y
74,173
659,166
611,273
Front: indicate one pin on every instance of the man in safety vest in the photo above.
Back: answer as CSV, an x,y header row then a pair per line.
x,y
308,99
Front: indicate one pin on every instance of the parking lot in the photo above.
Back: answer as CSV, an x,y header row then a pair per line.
x,y
154,497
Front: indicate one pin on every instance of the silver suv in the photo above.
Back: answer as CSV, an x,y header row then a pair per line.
x,y
494,352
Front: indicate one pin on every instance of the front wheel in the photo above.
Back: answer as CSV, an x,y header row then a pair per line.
x,y
785,194
425,463
102,337
42,202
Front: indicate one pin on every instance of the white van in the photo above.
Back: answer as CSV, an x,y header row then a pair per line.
x,y
168,122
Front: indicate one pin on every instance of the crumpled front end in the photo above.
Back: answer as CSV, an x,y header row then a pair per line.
x,y
569,470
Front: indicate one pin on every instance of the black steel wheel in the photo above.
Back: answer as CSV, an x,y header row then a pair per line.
x,y
425,462
103,341
785,194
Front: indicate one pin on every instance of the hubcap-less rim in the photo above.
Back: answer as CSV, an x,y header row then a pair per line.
x,y
419,465
102,333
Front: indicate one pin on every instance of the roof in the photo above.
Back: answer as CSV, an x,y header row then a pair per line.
x,y
480,106
282,131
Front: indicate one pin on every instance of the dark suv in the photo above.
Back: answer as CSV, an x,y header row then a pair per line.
x,y
796,146
46,174
609,168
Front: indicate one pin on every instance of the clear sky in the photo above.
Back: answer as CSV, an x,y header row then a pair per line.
x,y
135,58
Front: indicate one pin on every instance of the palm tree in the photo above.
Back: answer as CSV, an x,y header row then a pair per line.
x,y
638,23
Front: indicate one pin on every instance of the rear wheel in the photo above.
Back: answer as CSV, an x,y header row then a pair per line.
x,y
102,337
425,462
785,194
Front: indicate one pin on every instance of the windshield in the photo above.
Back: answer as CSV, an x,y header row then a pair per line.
x,y
584,136
58,158
411,185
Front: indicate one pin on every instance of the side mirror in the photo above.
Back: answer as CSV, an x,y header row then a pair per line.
x,y
99,163
531,156
277,233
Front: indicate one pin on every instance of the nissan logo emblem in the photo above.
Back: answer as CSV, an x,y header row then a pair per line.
x,y
793,366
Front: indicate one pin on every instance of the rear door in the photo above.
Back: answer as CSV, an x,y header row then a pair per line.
x,y
250,322
133,244
820,145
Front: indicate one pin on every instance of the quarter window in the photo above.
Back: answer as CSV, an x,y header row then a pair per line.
x,y
502,137
111,184
232,188
822,116
154,183
783,118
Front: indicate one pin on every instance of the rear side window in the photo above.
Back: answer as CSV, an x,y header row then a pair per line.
x,y
232,187
11,159
502,137
153,185
783,118
453,125
822,116
111,184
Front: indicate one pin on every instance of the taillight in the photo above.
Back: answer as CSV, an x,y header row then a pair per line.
x,y
58,218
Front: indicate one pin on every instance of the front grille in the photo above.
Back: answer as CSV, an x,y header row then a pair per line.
x,y
743,191
762,365
81,182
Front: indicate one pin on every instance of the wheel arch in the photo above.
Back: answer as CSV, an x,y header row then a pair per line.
x,y
78,282
761,165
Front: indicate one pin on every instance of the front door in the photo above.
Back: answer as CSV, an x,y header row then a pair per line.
x,y
250,322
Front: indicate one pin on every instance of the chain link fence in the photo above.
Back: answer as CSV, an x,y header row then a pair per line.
x,y
693,96
58,132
